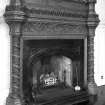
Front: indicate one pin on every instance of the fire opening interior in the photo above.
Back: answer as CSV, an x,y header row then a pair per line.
x,y
52,68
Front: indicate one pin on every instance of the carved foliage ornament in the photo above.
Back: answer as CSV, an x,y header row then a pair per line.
x,y
59,28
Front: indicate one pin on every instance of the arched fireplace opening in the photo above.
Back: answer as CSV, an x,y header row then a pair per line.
x,y
50,69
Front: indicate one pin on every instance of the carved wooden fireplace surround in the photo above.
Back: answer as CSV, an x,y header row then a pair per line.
x,y
50,20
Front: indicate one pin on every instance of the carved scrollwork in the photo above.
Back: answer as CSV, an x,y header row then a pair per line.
x,y
58,28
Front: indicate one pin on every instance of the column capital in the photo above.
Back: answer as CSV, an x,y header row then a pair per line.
x,y
15,28
15,11
93,19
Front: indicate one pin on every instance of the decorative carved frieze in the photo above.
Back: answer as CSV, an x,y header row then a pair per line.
x,y
54,12
54,28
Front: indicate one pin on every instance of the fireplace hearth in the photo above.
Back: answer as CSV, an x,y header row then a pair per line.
x,y
52,52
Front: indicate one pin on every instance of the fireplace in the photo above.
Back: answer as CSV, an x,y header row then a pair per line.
x,y
52,52
52,68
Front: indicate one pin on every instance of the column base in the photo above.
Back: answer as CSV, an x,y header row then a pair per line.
x,y
92,99
12,100
92,88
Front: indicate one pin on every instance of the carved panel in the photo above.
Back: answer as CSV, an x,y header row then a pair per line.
x,y
54,28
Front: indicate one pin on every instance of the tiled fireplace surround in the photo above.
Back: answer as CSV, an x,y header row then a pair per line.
x,y
45,31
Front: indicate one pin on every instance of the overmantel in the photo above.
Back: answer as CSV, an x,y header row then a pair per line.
x,y
49,17
55,18
49,20
58,9
52,9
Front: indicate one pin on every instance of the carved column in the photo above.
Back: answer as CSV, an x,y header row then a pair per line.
x,y
14,97
92,23
90,52
14,17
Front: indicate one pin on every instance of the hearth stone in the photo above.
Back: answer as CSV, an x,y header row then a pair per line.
x,y
52,52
